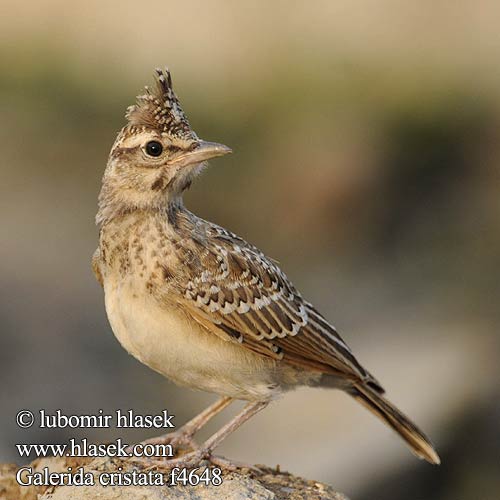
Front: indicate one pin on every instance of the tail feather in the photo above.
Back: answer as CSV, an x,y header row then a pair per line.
x,y
418,442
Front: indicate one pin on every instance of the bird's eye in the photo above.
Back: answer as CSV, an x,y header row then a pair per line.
x,y
154,148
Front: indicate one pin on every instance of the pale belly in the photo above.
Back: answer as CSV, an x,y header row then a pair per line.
x,y
184,352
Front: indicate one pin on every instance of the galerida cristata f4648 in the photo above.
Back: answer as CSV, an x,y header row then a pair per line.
x,y
199,304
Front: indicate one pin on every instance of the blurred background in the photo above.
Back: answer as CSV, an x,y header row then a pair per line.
x,y
366,160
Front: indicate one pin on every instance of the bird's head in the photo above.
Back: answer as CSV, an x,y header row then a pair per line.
x,y
155,156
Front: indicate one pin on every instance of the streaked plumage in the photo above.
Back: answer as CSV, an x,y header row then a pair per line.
x,y
198,303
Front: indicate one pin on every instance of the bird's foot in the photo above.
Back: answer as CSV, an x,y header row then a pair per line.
x,y
181,439
196,458
232,465
188,460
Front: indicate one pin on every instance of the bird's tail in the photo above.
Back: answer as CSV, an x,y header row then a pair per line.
x,y
418,442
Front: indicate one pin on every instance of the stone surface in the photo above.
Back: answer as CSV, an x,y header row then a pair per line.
x,y
242,484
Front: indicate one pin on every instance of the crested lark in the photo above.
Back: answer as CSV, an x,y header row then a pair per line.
x,y
199,304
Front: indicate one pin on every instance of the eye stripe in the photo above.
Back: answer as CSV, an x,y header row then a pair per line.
x,y
117,152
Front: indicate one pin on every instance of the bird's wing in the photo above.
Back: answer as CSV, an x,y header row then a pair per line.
x,y
242,296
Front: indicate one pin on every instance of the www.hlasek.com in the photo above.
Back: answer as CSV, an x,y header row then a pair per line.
x,y
78,476
83,448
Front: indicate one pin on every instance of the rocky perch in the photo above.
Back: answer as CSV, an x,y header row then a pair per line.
x,y
243,483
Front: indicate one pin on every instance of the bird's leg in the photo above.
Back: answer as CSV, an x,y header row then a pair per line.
x,y
184,435
248,412
193,458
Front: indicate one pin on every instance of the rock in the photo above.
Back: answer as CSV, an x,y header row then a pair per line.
x,y
241,484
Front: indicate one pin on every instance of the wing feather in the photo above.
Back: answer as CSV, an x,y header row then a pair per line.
x,y
243,296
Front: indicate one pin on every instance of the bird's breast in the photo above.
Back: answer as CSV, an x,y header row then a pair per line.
x,y
162,336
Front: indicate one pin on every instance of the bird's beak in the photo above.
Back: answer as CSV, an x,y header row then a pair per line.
x,y
203,151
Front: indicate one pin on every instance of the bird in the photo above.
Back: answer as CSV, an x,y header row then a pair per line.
x,y
199,304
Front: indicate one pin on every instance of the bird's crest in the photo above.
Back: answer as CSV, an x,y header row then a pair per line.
x,y
159,108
